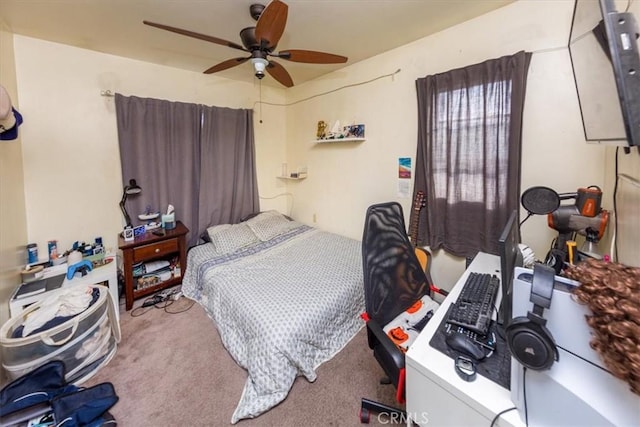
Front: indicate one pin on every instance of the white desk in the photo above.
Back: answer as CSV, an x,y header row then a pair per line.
x,y
435,394
106,273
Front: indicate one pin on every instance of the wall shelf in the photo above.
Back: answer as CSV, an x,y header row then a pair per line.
x,y
291,178
337,140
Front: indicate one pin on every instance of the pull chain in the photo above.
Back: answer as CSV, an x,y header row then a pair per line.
x,y
260,91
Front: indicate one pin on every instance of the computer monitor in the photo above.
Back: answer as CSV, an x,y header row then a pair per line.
x,y
510,257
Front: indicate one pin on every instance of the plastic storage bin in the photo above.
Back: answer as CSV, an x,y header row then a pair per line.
x,y
84,342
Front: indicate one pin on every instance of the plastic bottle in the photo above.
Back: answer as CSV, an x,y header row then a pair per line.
x,y
32,252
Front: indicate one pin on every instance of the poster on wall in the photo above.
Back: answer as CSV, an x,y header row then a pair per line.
x,y
404,176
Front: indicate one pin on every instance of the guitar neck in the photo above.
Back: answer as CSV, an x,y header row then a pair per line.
x,y
413,231
414,221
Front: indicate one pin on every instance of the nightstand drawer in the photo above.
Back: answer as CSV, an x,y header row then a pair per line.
x,y
153,250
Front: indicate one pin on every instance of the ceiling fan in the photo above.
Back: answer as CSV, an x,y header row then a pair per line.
x,y
260,42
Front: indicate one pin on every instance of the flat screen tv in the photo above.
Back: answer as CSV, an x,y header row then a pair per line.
x,y
510,257
606,68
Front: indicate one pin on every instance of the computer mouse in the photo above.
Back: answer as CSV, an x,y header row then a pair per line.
x,y
464,344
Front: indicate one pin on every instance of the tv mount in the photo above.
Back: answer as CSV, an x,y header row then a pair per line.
x,y
606,70
622,33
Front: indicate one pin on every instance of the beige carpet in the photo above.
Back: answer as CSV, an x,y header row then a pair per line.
x,y
172,370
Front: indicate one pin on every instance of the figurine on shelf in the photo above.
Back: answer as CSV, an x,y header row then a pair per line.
x,y
321,133
336,131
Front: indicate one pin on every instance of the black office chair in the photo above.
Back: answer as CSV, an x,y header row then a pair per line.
x,y
393,281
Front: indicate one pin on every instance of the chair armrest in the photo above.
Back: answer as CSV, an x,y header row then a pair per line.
x,y
384,348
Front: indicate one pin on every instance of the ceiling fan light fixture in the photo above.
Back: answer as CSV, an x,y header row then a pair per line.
x,y
260,41
259,65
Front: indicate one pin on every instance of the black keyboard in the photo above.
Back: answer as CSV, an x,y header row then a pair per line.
x,y
475,304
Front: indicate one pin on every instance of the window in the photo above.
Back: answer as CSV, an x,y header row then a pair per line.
x,y
469,119
468,156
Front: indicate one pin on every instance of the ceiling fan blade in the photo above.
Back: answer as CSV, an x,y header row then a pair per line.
x,y
226,64
278,72
271,23
204,37
311,57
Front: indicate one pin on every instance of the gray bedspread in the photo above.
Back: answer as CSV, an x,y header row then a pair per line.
x,y
282,307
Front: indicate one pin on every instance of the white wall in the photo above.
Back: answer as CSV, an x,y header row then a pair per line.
x,y
345,179
71,157
13,225
628,198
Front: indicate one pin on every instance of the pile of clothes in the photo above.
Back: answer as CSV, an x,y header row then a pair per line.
x,y
57,309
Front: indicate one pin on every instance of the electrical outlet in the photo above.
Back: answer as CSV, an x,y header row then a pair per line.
x,y
314,218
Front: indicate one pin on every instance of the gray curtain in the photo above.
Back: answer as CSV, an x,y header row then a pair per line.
x,y
468,156
228,181
169,149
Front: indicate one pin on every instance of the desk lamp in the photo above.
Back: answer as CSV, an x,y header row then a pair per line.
x,y
129,190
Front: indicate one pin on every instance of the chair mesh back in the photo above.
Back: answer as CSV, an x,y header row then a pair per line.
x,y
393,277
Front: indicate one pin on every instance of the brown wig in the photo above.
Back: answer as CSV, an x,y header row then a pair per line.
x,y
612,292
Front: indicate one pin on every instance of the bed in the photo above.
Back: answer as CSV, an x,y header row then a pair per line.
x,y
285,297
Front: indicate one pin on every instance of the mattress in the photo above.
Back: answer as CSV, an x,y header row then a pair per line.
x,y
282,306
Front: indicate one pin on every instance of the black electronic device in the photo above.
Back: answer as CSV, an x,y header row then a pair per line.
x,y
466,345
510,258
604,57
528,338
420,324
475,304
156,299
40,286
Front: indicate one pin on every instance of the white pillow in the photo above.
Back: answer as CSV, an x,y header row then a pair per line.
x,y
270,224
232,238
216,229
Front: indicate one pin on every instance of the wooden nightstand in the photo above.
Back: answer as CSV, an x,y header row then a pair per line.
x,y
152,247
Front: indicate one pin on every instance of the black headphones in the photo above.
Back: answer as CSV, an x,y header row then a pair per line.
x,y
529,340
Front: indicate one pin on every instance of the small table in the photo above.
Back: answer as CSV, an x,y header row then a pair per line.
x,y
104,274
153,246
